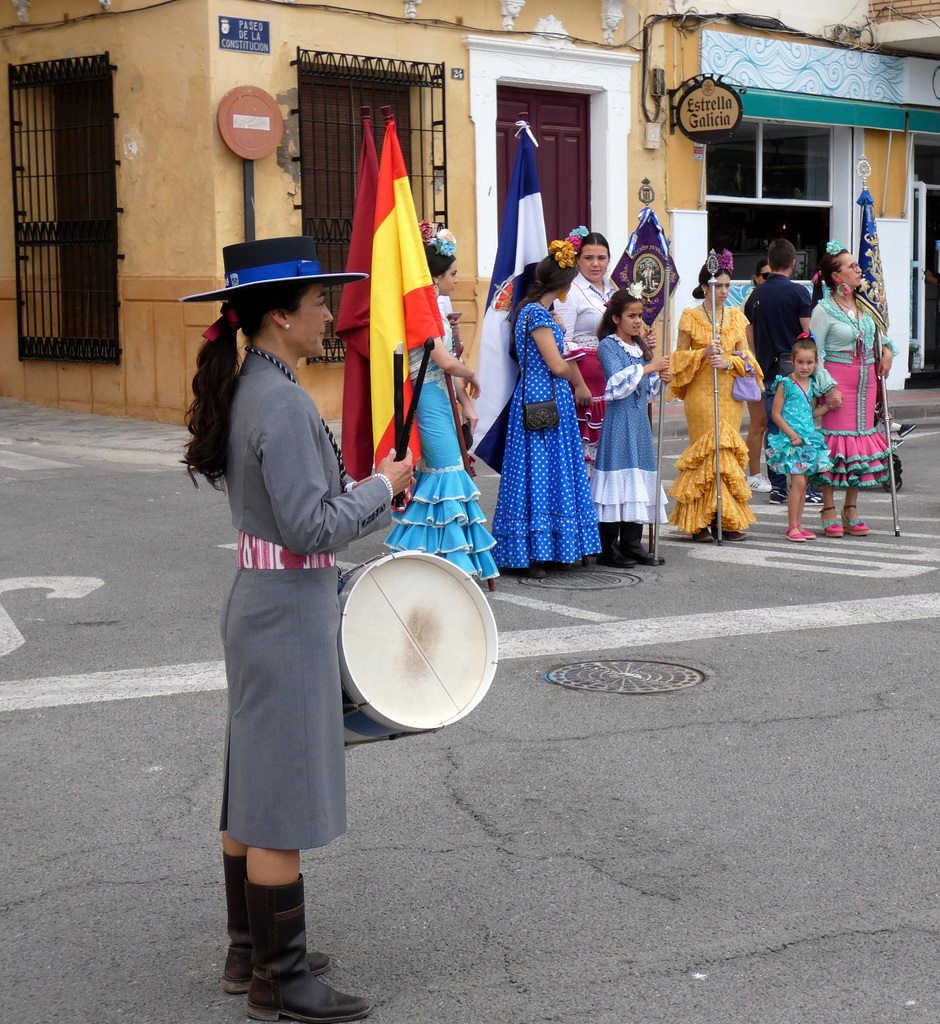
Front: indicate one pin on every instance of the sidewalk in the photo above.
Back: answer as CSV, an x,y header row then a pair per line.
x,y
21,422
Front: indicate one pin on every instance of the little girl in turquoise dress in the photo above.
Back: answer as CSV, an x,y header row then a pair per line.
x,y
800,448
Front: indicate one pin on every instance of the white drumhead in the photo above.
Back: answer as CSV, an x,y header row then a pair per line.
x,y
417,641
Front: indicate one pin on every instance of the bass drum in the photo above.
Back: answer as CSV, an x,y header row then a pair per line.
x,y
417,646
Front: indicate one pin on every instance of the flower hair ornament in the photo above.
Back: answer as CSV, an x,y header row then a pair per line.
x,y
725,261
635,290
563,251
443,241
576,237
834,248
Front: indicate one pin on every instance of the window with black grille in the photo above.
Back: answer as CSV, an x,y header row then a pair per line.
x,y
65,207
333,89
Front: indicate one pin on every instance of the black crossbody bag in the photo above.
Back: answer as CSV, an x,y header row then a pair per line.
x,y
537,415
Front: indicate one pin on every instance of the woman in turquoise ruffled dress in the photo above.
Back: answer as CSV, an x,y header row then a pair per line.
x,y
443,516
800,447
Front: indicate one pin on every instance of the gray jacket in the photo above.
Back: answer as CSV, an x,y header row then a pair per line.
x,y
281,474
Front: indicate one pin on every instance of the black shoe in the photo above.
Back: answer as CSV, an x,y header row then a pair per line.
x,y
631,544
905,428
611,554
813,497
281,983
236,975
777,497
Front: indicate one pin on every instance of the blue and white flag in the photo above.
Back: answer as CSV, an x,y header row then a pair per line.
x,y
522,245
871,293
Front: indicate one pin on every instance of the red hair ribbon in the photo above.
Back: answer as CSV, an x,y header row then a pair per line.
x,y
227,322
816,277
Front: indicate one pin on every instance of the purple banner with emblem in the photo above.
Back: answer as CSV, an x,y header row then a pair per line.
x,y
645,260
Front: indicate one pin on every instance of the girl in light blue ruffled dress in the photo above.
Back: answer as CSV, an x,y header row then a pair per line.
x,y
443,516
800,448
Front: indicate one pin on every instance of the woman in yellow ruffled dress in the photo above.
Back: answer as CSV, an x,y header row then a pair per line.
x,y
692,366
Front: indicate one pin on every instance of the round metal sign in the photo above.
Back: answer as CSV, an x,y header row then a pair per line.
x,y
250,122
708,111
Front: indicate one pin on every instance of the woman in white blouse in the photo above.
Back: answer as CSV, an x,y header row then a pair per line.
x,y
580,315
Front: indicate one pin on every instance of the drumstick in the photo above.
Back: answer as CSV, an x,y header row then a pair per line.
x,y
402,442
401,445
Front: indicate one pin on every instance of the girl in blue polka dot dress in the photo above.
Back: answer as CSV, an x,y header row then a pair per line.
x,y
624,481
544,512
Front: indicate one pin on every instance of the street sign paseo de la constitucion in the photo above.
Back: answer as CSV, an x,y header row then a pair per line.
x,y
245,34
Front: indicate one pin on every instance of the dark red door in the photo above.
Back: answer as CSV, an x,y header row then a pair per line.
x,y
560,123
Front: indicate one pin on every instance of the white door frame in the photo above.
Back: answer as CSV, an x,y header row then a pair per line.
x,y
565,67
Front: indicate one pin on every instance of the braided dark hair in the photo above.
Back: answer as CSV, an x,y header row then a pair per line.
x,y
217,366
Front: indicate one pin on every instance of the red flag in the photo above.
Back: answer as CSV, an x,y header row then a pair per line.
x,y
352,320
404,306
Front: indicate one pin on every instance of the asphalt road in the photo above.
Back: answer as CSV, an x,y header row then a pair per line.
x,y
760,848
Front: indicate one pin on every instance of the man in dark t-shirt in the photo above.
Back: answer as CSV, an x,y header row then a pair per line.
x,y
779,311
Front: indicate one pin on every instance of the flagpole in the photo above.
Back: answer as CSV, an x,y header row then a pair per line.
x,y
712,264
875,303
886,414
646,259
662,409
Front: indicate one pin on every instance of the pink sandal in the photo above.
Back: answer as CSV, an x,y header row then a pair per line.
x,y
807,534
795,534
854,526
833,528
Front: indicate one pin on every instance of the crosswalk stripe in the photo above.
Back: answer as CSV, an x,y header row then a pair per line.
x,y
803,559
28,463
553,641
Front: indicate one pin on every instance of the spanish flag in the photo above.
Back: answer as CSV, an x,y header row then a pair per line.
x,y
352,321
404,306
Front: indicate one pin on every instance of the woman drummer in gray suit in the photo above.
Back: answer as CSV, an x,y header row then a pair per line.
x,y
257,434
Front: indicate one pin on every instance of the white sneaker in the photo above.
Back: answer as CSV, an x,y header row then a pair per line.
x,y
758,482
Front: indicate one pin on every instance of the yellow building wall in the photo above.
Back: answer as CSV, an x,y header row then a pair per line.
x,y
180,188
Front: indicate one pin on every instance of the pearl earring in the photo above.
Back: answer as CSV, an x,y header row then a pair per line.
x,y
286,327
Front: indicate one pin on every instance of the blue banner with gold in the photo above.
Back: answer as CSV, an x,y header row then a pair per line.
x,y
871,293
645,260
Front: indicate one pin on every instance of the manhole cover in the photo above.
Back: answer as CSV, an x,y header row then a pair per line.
x,y
582,580
625,676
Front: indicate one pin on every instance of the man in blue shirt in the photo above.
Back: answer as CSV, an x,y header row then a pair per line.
x,y
779,311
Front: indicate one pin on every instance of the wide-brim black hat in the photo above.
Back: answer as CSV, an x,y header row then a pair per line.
x,y
271,261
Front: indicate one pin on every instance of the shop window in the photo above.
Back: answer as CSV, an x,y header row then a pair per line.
x,y
770,181
770,161
333,87
65,209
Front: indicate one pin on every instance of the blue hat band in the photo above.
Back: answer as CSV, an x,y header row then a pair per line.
x,y
273,272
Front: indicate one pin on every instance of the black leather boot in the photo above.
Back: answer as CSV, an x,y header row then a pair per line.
x,y
631,544
281,983
237,973
611,554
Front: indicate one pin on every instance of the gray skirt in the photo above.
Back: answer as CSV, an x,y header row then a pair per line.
x,y
285,781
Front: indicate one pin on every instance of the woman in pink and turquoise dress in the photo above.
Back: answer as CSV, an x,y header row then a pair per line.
x,y
845,338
